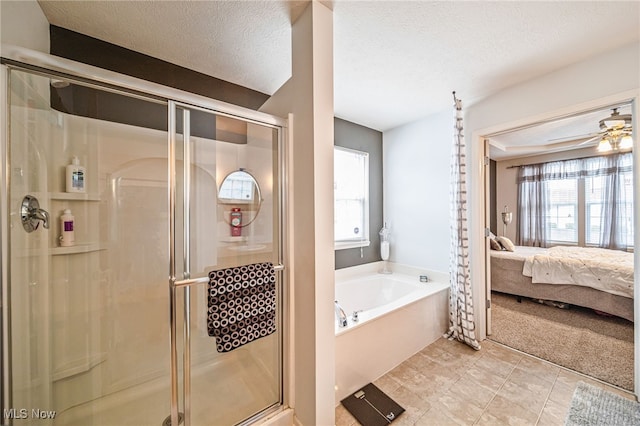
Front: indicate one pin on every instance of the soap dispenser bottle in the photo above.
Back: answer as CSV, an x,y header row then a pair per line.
x,y
75,176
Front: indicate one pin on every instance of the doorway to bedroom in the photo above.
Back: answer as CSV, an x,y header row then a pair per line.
x,y
560,272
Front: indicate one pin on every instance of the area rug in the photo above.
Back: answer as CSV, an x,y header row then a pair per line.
x,y
592,406
575,338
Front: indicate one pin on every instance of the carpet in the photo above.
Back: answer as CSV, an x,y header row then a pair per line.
x,y
592,406
575,338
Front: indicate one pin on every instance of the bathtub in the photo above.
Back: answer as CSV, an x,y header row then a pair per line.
x,y
398,316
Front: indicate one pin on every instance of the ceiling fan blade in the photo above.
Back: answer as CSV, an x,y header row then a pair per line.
x,y
585,142
574,138
572,143
569,143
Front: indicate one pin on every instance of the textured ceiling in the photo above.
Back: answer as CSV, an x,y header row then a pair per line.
x,y
399,61
243,42
395,62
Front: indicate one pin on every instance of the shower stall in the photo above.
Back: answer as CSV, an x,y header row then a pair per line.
x,y
112,330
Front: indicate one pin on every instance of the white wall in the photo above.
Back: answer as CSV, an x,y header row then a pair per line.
x,y
24,24
598,77
416,164
309,96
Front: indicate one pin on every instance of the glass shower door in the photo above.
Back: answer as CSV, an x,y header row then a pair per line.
x,y
227,210
96,333
88,329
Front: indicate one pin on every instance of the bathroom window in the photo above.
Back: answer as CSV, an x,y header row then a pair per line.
x,y
351,198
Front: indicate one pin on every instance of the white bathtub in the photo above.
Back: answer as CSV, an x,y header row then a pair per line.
x,y
400,315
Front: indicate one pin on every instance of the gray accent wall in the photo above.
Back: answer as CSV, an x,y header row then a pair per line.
x,y
355,136
83,48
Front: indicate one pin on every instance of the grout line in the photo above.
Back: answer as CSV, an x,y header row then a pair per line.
x,y
546,400
484,410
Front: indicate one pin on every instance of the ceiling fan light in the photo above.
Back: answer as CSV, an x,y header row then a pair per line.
x,y
614,123
604,145
626,142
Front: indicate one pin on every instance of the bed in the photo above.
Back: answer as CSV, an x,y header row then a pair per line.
x,y
579,277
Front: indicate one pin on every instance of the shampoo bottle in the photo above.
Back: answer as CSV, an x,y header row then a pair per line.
x,y
67,236
75,176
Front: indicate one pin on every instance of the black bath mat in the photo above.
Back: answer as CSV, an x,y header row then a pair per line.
x,y
372,407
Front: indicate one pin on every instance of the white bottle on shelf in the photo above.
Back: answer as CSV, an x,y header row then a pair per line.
x,y
67,223
384,250
76,175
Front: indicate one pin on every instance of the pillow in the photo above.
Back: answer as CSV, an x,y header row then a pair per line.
x,y
494,244
506,243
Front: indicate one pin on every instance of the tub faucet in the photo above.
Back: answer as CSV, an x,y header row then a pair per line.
x,y
355,316
340,315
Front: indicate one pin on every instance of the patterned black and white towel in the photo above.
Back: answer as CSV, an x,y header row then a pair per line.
x,y
241,304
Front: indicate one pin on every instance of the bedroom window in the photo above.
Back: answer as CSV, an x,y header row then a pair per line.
x,y
595,196
588,202
562,213
593,209
351,198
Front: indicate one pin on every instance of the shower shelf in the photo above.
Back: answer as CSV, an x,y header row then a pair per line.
x,y
79,366
75,196
79,248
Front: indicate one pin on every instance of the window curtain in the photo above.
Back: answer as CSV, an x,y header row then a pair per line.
x,y
533,199
532,207
617,203
617,208
461,316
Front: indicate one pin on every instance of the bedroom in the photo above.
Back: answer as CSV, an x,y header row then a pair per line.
x,y
550,188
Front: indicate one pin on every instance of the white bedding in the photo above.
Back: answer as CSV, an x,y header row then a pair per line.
x,y
519,253
602,269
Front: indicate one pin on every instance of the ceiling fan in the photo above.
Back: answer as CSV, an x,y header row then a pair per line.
x,y
615,133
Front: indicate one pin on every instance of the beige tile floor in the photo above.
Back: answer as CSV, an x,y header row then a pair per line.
x,y
448,383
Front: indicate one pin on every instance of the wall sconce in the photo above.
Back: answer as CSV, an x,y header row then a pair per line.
x,y
507,217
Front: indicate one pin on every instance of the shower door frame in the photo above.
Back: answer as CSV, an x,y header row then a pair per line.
x,y
187,282
26,60
5,366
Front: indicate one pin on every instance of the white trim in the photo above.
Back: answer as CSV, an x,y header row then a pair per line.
x,y
343,245
288,249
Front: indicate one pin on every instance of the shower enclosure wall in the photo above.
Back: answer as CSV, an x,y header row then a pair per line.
x,y
113,330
